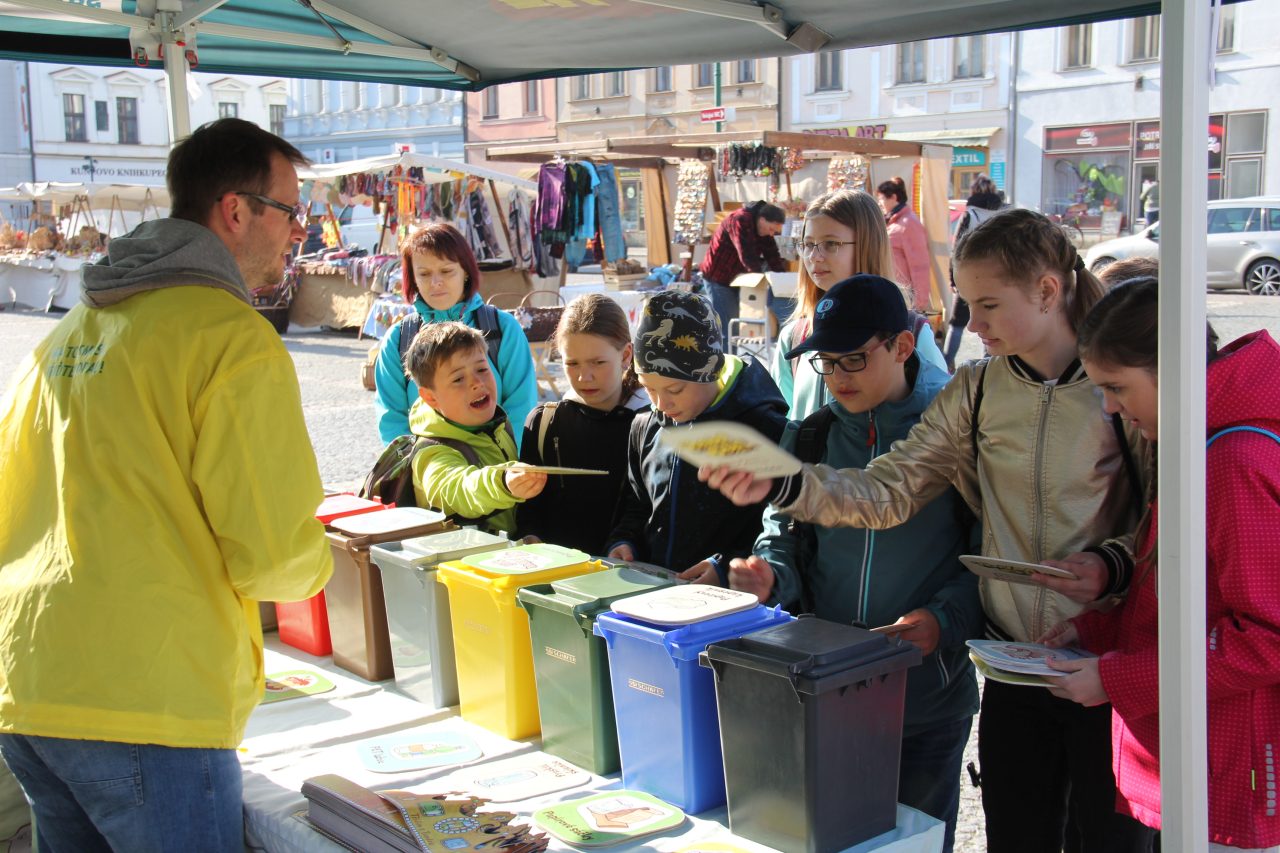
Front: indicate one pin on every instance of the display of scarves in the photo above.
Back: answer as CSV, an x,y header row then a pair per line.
x,y
518,210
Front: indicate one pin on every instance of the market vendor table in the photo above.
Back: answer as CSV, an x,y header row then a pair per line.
x,y
329,298
40,281
290,741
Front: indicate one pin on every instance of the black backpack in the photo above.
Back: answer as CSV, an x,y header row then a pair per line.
x,y
391,480
486,322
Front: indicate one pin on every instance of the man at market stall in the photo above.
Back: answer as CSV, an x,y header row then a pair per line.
x,y
156,482
744,243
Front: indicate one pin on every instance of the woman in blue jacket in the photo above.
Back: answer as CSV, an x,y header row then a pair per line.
x,y
442,280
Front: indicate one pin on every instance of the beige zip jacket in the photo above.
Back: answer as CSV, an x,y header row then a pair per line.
x,y
1049,479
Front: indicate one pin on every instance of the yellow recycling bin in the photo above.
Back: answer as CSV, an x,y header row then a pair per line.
x,y
496,687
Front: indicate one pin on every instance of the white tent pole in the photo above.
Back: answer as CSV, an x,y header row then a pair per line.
x,y
175,70
1184,116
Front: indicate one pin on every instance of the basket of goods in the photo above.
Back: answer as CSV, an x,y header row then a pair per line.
x,y
538,321
624,274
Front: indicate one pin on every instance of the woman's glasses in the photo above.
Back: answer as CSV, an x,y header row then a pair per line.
x,y
828,247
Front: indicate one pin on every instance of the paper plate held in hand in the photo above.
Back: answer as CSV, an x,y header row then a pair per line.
x,y
1013,571
725,443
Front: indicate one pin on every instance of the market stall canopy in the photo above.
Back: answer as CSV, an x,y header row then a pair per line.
x,y
131,197
471,45
436,170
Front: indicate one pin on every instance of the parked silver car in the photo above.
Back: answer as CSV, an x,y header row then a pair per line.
x,y
1244,245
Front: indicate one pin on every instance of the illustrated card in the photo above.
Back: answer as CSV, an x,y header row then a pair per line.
x,y
726,443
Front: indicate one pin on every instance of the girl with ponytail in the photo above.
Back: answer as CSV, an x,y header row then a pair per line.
x,y
587,429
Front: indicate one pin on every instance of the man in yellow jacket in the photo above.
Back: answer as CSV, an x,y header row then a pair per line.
x,y
156,482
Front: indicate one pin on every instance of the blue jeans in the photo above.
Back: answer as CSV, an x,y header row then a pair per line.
x,y
90,795
726,301
929,778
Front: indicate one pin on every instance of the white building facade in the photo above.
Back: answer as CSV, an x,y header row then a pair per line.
x,y
955,91
110,125
332,121
1088,101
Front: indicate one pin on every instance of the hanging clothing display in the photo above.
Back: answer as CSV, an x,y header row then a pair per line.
x,y
577,204
518,210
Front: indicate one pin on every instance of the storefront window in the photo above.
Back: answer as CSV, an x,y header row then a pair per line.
x,y
1244,177
1090,184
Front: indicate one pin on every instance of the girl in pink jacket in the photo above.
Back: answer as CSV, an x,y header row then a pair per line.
x,y
908,241
1242,499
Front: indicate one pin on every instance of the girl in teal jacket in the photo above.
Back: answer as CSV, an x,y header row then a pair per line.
x,y
441,279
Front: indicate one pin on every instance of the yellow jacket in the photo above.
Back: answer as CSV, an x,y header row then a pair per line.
x,y
156,482
1049,480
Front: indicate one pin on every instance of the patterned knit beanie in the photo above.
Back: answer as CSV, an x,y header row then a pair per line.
x,y
679,338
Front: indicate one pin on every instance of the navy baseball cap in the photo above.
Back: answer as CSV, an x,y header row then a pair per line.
x,y
852,312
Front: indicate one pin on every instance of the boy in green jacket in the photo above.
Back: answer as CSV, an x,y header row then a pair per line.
x,y
459,407
906,580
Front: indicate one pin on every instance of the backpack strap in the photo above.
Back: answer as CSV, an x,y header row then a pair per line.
x,y
488,324
977,407
409,327
1130,466
544,423
1258,430
811,444
799,331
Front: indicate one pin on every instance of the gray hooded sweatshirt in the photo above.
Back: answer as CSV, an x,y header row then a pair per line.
x,y
158,254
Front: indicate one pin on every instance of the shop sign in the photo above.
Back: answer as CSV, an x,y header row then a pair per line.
x,y
861,131
997,173
101,170
963,157
713,114
1146,140
1088,137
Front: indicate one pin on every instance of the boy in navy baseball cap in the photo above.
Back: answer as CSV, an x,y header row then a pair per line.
x,y
906,580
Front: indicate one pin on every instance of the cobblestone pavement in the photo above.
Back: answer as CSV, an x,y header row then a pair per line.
x,y
342,422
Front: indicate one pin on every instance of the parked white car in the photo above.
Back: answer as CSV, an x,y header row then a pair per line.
x,y
1244,245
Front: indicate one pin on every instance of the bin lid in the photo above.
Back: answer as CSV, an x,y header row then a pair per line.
x,y
684,642
337,506
816,651
451,545
404,519
584,596
524,559
685,604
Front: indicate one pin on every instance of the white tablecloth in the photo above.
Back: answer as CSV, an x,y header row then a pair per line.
x,y
40,281
290,741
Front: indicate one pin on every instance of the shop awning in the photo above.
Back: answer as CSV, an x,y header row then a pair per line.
x,y
967,137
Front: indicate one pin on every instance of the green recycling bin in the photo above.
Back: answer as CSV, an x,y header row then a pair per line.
x,y
571,664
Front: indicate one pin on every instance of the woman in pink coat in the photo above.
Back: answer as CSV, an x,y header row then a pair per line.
x,y
908,241
1242,590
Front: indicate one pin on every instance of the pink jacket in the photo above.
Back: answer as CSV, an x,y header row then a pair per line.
x,y
1243,602
910,255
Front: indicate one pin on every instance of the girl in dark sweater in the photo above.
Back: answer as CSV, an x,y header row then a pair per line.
x,y
587,429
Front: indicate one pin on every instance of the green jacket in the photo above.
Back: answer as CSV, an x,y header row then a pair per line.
x,y
444,480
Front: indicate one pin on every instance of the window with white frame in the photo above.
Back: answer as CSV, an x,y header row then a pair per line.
x,y
662,78
1078,52
745,70
490,102
1144,39
1226,29
705,74
911,62
531,97
615,84
275,117
581,87
73,117
827,72
228,109
969,56
127,121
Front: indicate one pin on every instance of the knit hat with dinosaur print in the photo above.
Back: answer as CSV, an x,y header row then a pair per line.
x,y
679,338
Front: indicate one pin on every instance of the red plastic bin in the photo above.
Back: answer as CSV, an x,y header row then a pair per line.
x,y
305,625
